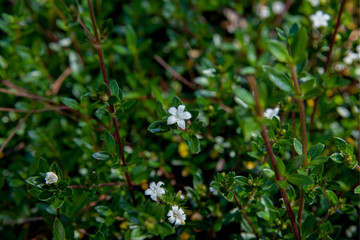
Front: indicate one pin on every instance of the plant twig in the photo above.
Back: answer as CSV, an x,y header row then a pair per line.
x,y
103,185
98,48
280,17
13,132
260,114
246,216
175,74
328,58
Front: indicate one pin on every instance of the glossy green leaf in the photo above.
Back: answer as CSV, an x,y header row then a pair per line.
x,y
159,127
278,50
300,179
102,155
297,146
244,95
58,230
71,103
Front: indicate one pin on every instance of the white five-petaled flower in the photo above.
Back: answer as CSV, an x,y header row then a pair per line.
x,y
155,190
352,56
278,7
319,19
178,116
270,113
314,3
51,178
176,215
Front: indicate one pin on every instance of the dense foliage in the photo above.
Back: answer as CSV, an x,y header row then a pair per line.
x,y
179,119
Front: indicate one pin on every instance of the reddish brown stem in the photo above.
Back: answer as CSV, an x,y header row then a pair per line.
x,y
301,107
260,114
98,48
246,216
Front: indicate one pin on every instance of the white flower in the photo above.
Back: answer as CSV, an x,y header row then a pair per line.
x,y
155,190
215,192
320,19
262,11
51,178
270,113
178,116
176,215
209,72
314,3
278,7
350,57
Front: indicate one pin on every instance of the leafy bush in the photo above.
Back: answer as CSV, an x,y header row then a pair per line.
x,y
179,119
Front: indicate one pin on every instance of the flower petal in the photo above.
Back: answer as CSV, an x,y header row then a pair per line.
x,y
161,191
178,221
170,213
153,197
181,109
152,185
171,120
175,208
181,124
185,115
148,191
171,219
173,111
159,184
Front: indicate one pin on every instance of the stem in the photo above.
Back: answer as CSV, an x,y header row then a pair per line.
x,y
260,114
293,123
329,54
98,48
323,219
246,216
301,107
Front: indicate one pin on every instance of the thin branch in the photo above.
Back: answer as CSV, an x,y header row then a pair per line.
x,y
327,63
98,48
246,216
175,74
26,95
13,132
260,114
301,107
34,111
103,185
57,84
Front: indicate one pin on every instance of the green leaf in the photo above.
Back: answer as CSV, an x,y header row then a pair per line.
x,y
348,209
300,179
176,102
104,210
45,195
128,104
193,142
295,163
357,190
332,197
113,99
36,181
57,202
43,165
338,157
131,39
163,229
99,236
308,225
159,127
316,150
160,109
110,144
298,45
314,92
102,155
340,144
319,160
71,103
114,88
280,165
278,50
281,81
229,196
298,146
58,230
244,95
